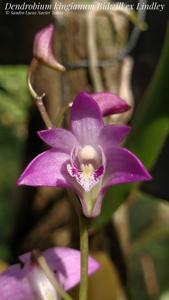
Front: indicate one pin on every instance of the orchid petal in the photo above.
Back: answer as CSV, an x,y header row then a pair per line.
x,y
110,103
43,48
111,135
65,263
46,169
59,138
15,282
86,119
123,167
15,285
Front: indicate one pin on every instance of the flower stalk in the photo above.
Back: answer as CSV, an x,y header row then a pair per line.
x,y
38,98
84,249
40,259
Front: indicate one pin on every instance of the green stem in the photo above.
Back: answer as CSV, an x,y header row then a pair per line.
x,y
84,257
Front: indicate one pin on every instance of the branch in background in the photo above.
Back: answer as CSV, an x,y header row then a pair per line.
x,y
134,36
150,277
125,91
137,19
92,52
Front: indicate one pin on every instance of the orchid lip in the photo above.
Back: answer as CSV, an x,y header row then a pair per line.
x,y
87,177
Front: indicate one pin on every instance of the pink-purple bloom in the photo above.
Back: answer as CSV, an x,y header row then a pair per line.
x,y
26,281
87,159
43,48
110,104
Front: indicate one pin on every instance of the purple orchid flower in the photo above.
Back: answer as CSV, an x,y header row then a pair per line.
x,y
43,48
88,159
26,281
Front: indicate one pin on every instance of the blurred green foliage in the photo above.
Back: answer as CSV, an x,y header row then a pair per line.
x,y
13,95
13,111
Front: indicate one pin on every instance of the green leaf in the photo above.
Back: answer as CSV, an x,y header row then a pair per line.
x,y
150,130
145,233
165,296
151,122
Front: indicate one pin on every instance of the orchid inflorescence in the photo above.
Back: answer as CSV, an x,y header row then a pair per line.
x,y
87,159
